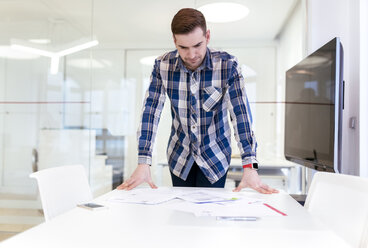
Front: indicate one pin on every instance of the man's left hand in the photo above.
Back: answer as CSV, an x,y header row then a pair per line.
x,y
252,180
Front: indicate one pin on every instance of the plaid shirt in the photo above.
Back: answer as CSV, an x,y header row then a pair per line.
x,y
199,100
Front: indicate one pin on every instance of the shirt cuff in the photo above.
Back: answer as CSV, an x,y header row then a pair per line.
x,y
250,160
144,159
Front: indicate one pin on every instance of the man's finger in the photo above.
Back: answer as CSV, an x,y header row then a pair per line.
x,y
122,186
269,189
126,184
263,191
153,186
237,189
133,185
240,187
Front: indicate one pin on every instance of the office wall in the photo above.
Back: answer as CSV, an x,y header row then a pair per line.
x,y
363,111
326,20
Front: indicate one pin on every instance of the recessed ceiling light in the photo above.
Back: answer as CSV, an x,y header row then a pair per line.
x,y
224,12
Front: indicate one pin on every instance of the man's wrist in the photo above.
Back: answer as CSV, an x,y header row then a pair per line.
x,y
247,166
143,159
251,166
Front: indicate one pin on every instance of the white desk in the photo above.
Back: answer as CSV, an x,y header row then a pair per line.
x,y
130,225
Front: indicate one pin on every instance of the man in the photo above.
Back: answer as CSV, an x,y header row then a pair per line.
x,y
202,85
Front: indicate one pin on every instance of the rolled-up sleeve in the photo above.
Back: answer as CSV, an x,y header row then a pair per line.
x,y
152,108
241,115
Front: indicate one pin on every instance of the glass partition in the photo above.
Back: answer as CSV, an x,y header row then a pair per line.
x,y
64,99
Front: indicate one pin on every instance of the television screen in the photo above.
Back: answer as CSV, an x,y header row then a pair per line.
x,y
313,109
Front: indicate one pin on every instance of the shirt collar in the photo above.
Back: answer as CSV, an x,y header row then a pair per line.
x,y
207,62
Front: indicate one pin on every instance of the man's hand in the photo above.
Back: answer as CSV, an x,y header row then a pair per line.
x,y
142,174
252,180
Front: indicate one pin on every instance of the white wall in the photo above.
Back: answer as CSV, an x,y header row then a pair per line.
x,y
326,20
363,113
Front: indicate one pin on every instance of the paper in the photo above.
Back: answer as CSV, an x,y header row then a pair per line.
x,y
143,196
233,209
203,196
200,202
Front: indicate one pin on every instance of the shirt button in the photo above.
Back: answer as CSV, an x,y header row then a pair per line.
x,y
193,127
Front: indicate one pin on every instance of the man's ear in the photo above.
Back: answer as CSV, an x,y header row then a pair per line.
x,y
174,39
208,36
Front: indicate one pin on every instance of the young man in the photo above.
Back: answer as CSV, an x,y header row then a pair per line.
x,y
203,86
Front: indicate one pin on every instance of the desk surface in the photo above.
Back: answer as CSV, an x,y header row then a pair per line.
x,y
131,225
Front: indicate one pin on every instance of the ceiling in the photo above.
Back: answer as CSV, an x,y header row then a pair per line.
x,y
131,23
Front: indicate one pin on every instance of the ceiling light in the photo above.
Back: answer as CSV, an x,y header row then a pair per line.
x,y
224,12
78,48
8,53
55,56
32,50
40,41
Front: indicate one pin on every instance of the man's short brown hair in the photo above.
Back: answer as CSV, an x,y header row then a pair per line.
x,y
186,20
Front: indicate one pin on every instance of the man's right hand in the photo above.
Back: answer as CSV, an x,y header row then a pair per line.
x,y
142,174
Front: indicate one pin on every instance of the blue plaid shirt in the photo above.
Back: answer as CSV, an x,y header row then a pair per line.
x,y
200,101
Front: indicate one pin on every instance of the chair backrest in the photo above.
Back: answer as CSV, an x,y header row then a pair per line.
x,y
62,188
341,202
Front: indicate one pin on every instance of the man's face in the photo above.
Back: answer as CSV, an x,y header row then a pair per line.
x,y
192,47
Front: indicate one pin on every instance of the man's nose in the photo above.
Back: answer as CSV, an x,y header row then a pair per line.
x,y
191,53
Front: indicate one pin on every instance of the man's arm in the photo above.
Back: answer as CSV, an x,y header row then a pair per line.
x,y
152,108
244,135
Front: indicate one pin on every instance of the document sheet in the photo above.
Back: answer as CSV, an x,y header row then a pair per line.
x,y
201,202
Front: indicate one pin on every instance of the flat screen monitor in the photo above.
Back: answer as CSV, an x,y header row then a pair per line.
x,y
313,109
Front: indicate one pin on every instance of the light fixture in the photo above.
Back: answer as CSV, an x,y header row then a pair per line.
x,y
224,12
55,56
78,48
40,41
32,50
8,53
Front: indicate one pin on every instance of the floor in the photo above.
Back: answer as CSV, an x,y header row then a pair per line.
x,y
18,213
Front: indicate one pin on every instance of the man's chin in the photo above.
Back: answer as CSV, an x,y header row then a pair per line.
x,y
191,66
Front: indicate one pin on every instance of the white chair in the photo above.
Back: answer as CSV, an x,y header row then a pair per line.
x,y
341,203
62,188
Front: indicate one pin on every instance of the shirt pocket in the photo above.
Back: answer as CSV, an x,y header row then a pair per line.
x,y
211,97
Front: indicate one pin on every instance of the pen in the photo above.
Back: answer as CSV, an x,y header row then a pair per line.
x,y
237,218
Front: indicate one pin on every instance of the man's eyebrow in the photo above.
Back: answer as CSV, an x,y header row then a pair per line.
x,y
196,45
